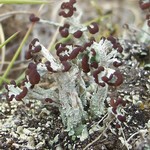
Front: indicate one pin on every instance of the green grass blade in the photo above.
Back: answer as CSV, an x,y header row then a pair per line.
x,y
24,2
4,79
16,55
8,40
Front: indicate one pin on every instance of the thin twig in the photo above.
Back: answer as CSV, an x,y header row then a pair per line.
x,y
9,14
55,36
50,22
98,136
16,62
102,119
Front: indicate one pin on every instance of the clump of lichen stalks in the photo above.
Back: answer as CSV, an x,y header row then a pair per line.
x,y
83,70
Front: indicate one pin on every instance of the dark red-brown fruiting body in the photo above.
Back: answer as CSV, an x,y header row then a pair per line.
x,y
101,84
67,9
66,65
13,82
58,45
18,98
72,1
114,110
103,38
34,41
117,64
32,86
78,34
117,46
10,98
96,72
37,49
121,118
119,76
111,39
148,16
28,104
120,49
112,103
148,23
95,75
64,30
145,5
60,50
74,53
105,79
48,100
93,52
63,58
94,65
34,76
117,125
48,66
100,68
92,39
118,101
119,79
85,65
23,82
123,103
32,65
148,19
6,86
28,55
88,44
93,28
22,94
34,18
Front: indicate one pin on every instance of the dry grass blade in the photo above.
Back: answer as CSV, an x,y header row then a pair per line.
x,y
53,40
9,14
